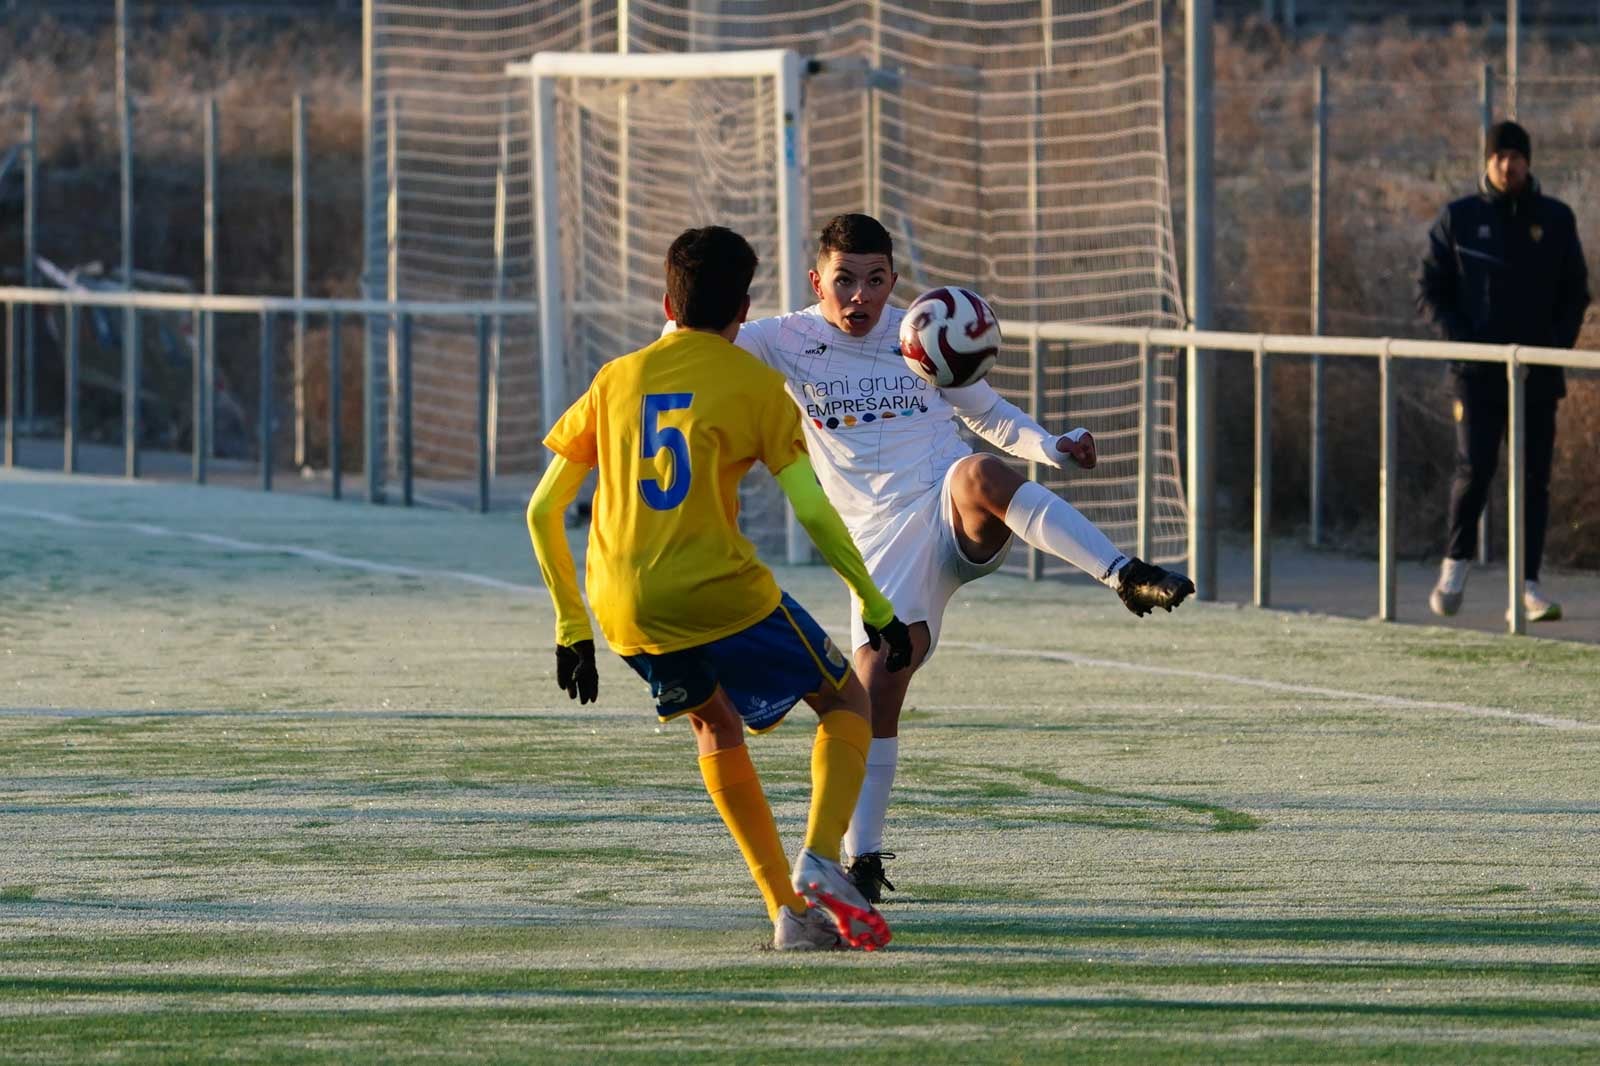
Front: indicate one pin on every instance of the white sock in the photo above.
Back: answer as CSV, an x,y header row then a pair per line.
x,y
866,824
1045,521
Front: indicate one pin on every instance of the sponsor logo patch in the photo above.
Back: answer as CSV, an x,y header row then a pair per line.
x,y
818,348
835,656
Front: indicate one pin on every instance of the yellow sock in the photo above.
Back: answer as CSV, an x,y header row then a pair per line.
x,y
735,788
838,766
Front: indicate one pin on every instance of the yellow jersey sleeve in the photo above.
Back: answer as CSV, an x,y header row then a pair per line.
x,y
782,441
574,436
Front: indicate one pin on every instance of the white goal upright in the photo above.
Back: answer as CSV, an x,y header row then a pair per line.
x,y
628,151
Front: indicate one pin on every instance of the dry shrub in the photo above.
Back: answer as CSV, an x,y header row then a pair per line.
x,y
253,69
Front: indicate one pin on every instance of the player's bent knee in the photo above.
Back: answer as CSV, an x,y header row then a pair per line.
x,y
984,482
716,724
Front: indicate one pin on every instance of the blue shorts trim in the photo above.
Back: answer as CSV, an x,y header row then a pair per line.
x,y
765,669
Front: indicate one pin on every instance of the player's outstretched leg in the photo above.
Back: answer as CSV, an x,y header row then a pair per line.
x,y
735,788
1045,521
824,884
1144,586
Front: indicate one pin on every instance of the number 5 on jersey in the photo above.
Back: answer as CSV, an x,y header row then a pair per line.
x,y
655,437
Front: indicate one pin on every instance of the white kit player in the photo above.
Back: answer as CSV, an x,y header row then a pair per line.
x,y
928,514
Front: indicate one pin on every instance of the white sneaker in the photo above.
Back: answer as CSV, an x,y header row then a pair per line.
x,y
810,930
825,885
1445,600
1539,608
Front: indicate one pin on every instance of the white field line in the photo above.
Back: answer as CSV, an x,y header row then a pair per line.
x,y
311,554
1396,702
332,559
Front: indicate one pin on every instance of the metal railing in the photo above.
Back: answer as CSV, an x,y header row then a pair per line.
x,y
1384,349
398,318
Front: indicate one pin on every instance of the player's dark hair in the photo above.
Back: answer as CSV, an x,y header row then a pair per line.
x,y
709,271
855,235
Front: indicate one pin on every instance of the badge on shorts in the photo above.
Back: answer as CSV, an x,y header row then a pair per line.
x,y
1483,232
1461,412
835,656
1536,231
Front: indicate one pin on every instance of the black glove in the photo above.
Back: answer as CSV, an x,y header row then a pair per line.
x,y
898,637
575,671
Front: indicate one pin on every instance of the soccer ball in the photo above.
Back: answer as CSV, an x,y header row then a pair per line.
x,y
950,337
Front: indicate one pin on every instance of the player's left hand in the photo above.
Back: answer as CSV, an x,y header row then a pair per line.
x,y
1079,447
575,671
897,636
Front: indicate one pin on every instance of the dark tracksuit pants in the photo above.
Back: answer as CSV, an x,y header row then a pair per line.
x,y
1480,426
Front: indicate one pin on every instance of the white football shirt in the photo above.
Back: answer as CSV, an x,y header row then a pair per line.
x,y
879,436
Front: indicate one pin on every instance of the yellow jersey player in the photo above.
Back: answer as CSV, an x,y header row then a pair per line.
x,y
681,596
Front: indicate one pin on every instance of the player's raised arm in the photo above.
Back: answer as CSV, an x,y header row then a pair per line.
x,y
827,531
1009,428
575,669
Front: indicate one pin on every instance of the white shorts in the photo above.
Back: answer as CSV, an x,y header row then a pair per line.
x,y
916,562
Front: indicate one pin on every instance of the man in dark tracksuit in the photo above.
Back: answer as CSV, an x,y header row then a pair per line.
x,y
1503,267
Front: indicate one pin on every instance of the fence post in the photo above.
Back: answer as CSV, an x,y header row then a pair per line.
x,y
30,226
299,226
69,460
483,414
264,404
1319,230
335,406
392,269
407,460
197,415
1387,476
371,410
1263,476
209,224
13,373
1513,54
131,383
1516,484
1035,408
1486,119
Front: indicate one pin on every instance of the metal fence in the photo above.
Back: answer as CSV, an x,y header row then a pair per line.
x,y
396,319
1264,349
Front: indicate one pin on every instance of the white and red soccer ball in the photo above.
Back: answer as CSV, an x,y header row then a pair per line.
x,y
950,337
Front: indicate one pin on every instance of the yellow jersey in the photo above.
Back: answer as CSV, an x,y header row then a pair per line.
x,y
673,428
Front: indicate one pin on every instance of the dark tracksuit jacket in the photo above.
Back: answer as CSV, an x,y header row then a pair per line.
x,y
1503,269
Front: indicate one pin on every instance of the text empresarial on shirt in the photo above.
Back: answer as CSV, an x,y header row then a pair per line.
x,y
846,400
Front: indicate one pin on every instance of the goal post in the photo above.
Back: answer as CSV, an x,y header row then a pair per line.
x,y
726,155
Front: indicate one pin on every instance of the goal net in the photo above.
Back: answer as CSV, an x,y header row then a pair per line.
x,y
1016,147
628,151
